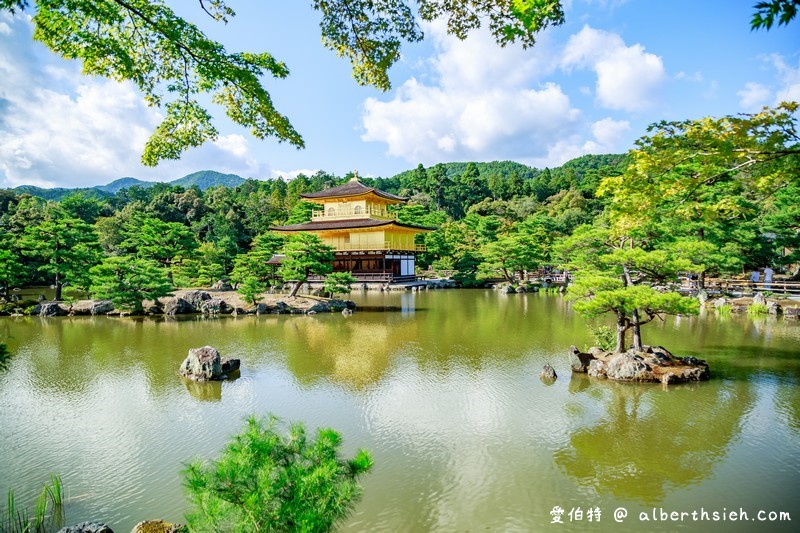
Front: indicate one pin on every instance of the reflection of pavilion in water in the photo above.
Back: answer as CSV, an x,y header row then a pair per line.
x,y
353,352
644,444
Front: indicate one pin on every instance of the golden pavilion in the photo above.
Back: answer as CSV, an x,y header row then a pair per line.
x,y
368,241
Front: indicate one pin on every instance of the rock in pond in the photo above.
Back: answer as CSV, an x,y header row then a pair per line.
x,y
101,307
205,364
759,299
579,361
215,306
547,374
87,527
653,364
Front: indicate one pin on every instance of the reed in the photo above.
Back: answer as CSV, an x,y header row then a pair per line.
x,y
16,520
757,309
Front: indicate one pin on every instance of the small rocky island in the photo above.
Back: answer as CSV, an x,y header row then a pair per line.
x,y
206,364
652,364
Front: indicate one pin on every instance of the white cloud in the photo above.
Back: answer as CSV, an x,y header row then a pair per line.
x,y
789,77
608,136
484,103
754,96
61,128
292,174
628,78
609,132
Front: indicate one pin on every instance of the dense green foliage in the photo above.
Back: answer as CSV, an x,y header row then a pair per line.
x,y
267,481
306,255
128,281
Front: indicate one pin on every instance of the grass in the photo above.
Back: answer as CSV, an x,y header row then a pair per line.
x,y
724,310
14,520
757,309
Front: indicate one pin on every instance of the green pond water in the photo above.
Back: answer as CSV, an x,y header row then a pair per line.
x,y
442,387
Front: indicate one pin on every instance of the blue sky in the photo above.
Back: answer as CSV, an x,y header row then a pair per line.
x,y
590,86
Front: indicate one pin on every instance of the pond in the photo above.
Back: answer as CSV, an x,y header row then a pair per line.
x,y
441,386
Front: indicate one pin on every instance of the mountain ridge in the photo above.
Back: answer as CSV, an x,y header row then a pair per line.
x,y
204,179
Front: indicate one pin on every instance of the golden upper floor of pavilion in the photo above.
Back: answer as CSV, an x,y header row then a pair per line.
x,y
353,201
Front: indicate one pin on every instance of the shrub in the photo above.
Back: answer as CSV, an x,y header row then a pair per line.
x,y
757,309
265,481
338,283
604,337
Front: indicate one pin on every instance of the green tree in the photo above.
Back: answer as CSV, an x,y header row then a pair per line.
x,y
338,283
68,248
614,274
525,248
250,287
163,242
707,180
305,254
12,271
84,207
128,281
254,262
265,481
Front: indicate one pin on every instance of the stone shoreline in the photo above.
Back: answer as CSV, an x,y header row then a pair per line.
x,y
205,302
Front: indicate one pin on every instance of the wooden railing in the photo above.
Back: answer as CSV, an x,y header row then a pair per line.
x,y
778,287
387,245
350,213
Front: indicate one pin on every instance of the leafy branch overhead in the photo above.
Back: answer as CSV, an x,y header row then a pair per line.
x,y
173,62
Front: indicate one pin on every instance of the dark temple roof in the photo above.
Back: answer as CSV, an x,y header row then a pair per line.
x,y
346,224
352,188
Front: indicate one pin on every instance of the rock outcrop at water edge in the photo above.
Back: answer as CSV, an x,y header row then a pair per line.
x,y
205,364
158,526
653,364
177,306
49,309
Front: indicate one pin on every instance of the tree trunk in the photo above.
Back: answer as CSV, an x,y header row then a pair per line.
x,y
637,332
622,327
58,289
701,279
637,328
296,288
508,276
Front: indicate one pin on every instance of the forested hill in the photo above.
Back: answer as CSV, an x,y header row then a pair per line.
x,y
500,180
204,179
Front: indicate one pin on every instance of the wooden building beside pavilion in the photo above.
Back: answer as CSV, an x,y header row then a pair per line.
x,y
368,241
